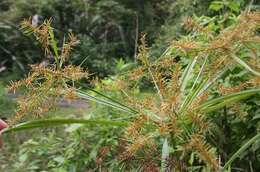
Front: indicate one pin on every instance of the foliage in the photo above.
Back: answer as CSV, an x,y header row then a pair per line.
x,y
191,108
78,154
106,34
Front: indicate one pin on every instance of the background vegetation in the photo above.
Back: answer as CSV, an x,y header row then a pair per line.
x,y
109,32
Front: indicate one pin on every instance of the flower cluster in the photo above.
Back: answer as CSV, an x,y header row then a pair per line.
x,y
173,108
47,83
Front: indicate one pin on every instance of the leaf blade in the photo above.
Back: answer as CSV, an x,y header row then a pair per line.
x,y
60,121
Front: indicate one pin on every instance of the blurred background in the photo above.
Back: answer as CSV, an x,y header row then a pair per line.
x,y
109,31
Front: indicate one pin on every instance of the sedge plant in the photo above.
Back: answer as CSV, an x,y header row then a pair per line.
x,y
171,123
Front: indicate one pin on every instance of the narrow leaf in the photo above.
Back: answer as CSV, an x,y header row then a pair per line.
x,y
222,101
242,63
165,155
241,150
112,104
53,43
56,122
106,97
187,73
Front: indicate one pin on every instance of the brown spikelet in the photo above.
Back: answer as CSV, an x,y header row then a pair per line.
x,y
254,63
173,86
136,74
238,109
121,84
102,152
173,164
34,103
186,45
191,25
134,128
42,32
70,94
200,122
138,144
160,82
198,101
13,86
94,81
233,89
204,150
254,16
27,82
149,165
243,31
254,82
74,72
174,126
147,102
164,63
143,51
165,109
164,128
42,70
68,46
217,64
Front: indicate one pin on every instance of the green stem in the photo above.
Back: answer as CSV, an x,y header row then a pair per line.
x,y
241,151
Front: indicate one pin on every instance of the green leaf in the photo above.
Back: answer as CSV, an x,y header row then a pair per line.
x,y
234,6
106,102
112,99
187,73
246,66
53,43
241,150
195,89
165,155
216,5
222,101
56,122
